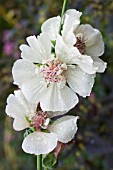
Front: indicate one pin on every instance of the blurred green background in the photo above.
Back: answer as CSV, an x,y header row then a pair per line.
x,y
93,147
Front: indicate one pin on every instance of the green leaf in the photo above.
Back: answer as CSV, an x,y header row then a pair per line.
x,y
49,161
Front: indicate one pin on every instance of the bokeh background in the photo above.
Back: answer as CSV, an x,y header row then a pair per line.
x,y
93,147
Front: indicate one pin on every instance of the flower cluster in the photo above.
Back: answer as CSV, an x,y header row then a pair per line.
x,y
54,68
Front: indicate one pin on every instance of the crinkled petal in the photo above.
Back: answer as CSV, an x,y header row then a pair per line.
x,y
65,128
71,21
29,54
39,49
56,99
39,143
18,107
101,65
80,81
22,71
92,38
51,27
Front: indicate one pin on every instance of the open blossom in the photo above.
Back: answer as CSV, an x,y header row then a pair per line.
x,y
50,78
46,134
43,76
83,41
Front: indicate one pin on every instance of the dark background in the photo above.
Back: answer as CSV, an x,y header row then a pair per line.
x,y
93,147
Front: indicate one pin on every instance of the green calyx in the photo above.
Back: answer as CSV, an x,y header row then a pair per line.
x,y
29,131
27,119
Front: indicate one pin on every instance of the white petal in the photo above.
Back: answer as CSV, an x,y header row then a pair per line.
x,y
70,39
51,27
31,83
86,63
44,47
30,54
39,143
33,42
20,124
33,89
22,71
80,81
65,128
71,21
18,107
101,65
39,50
29,108
93,40
55,99
65,53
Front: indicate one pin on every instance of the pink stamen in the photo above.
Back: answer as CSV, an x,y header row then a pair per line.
x,y
53,71
38,120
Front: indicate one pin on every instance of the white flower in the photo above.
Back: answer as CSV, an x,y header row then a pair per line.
x,y
52,81
87,41
26,115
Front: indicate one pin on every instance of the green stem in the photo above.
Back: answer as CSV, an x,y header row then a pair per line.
x,y
62,14
39,162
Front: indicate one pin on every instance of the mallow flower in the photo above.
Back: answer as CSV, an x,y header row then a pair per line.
x,y
50,78
83,41
45,133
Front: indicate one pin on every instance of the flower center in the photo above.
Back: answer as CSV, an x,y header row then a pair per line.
x,y
39,120
80,44
53,71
